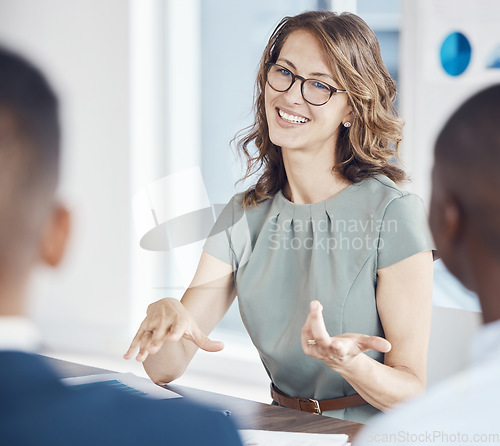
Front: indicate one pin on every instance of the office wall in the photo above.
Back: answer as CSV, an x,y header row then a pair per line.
x,y
83,46
428,93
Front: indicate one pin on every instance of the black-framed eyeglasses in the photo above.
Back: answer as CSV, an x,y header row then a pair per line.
x,y
313,91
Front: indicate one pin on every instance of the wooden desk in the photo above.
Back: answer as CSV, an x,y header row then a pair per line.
x,y
247,414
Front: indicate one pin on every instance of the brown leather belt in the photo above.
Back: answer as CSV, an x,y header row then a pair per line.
x,y
315,406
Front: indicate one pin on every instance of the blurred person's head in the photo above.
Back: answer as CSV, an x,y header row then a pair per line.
x,y
33,226
465,205
345,49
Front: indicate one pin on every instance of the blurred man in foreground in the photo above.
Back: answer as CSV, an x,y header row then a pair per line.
x,y
35,408
465,221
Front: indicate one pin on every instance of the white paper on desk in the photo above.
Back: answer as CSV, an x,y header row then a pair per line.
x,y
127,382
268,438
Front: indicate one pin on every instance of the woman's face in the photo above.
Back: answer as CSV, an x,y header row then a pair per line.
x,y
302,54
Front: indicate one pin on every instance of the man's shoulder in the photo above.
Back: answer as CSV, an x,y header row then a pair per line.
x,y
60,415
464,405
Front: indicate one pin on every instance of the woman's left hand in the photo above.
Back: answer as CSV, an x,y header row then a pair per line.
x,y
337,352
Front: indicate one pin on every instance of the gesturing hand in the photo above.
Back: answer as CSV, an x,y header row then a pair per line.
x,y
168,321
338,351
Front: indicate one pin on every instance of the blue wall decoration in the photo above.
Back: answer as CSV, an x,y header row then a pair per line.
x,y
455,54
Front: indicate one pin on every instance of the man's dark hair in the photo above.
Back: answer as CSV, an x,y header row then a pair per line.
x,y
467,156
29,150
26,94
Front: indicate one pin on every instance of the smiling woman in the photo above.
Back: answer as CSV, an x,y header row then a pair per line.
x,y
294,123
342,53
325,222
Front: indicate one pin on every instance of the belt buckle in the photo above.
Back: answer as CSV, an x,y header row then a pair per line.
x,y
315,402
316,406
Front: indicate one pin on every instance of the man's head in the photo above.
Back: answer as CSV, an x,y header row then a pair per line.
x,y
465,207
32,226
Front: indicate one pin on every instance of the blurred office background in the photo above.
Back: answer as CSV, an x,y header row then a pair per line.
x,y
152,92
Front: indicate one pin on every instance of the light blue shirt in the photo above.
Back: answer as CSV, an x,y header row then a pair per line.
x,y
463,410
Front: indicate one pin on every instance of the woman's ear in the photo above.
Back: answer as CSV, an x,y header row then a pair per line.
x,y
55,236
348,116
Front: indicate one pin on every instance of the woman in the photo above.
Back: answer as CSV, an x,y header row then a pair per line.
x,y
331,261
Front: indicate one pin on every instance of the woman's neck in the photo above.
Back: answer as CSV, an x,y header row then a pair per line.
x,y
310,177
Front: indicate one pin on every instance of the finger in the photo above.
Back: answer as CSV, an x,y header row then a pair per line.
x,y
306,329
176,332
196,336
318,328
311,317
144,347
142,356
343,347
305,338
134,345
157,338
374,343
311,349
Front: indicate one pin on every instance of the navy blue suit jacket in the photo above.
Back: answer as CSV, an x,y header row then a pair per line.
x,y
36,409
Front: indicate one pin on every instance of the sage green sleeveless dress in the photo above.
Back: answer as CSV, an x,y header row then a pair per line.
x,y
284,255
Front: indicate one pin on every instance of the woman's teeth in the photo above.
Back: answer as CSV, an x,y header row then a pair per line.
x,y
291,118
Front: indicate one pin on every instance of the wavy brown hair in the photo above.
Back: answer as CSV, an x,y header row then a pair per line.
x,y
370,145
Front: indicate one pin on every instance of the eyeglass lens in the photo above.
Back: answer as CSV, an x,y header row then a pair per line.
x,y
313,91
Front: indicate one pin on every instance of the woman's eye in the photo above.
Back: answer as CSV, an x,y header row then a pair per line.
x,y
284,72
319,85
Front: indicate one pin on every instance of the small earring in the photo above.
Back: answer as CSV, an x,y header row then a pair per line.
x,y
347,124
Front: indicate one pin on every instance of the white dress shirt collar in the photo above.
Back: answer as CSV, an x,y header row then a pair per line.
x,y
485,343
19,334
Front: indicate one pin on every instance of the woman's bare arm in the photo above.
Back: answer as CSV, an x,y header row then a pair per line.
x,y
172,331
404,302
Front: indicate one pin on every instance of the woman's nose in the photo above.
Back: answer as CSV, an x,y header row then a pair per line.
x,y
294,94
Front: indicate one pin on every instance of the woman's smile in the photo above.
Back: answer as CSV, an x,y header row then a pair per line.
x,y
290,118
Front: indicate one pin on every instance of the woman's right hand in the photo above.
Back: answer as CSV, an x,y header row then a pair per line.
x,y
168,320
